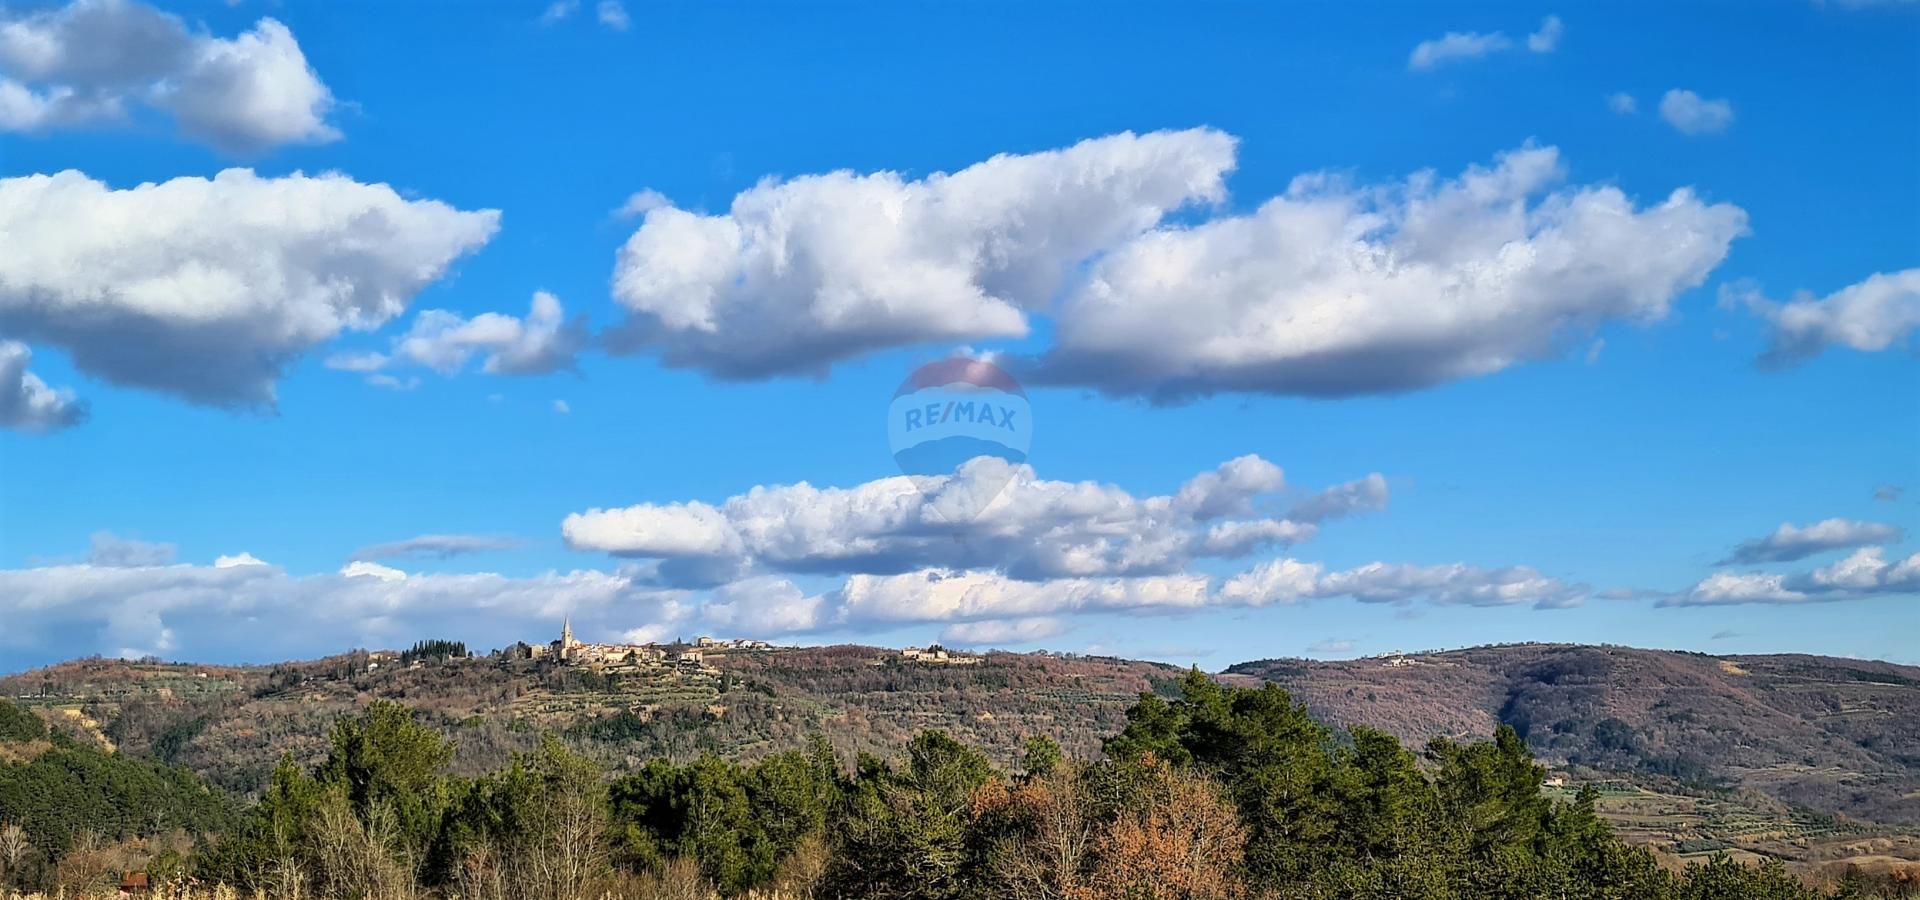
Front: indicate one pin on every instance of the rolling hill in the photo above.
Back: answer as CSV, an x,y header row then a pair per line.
x,y
1834,735
1831,736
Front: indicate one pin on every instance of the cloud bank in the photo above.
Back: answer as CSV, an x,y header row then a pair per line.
x,y
1864,573
1331,289
93,61
208,289
798,275
1033,529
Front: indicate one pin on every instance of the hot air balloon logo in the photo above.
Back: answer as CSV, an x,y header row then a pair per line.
x,y
961,428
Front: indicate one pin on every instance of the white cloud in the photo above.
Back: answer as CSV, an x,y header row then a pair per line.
x,y
1035,529
128,598
363,569
26,402
1003,632
209,288
641,202
261,613
798,275
1869,316
1865,572
559,11
24,109
251,93
1623,103
945,595
109,549
544,341
762,606
1330,289
436,546
90,60
1455,46
1332,645
997,603
1790,542
1548,37
562,407
1334,289
1454,584
1689,113
612,14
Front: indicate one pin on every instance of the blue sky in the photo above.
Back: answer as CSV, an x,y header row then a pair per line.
x,y
1601,410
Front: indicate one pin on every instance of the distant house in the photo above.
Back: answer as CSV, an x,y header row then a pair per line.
x,y
938,655
133,884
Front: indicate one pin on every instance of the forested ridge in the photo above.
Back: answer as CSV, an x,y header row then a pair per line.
x,y
1216,792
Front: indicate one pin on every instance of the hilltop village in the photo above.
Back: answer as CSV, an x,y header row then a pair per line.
x,y
568,651
614,658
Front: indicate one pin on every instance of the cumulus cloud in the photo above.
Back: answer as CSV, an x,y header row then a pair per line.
x,y
1459,46
91,60
1691,114
1330,289
261,613
364,569
762,605
26,402
1455,584
991,602
1034,529
1623,103
946,595
130,598
1547,39
559,11
992,599
1888,493
209,288
641,202
800,274
1790,542
544,341
436,546
1869,316
1864,573
1334,289
1003,632
1455,46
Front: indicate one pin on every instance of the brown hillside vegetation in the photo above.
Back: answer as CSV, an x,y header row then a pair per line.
x,y
232,724
1833,735
1829,735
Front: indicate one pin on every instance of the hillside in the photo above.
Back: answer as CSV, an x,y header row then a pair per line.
x,y
1834,735
231,724
1829,735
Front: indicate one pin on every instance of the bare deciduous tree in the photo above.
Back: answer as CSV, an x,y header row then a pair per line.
x,y
13,849
1048,860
